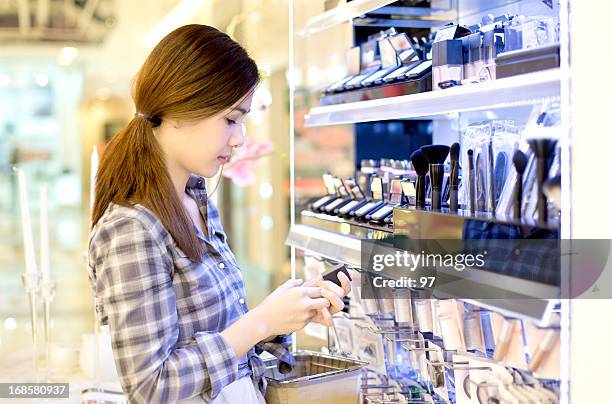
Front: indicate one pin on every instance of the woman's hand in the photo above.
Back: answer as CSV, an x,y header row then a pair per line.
x,y
289,308
334,294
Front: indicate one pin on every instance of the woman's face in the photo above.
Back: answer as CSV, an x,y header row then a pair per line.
x,y
202,146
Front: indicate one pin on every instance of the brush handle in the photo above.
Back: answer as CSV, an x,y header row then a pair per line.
x,y
436,173
472,185
518,196
454,200
454,186
542,202
436,199
492,179
420,191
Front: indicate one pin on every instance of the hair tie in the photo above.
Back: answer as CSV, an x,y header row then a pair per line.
x,y
153,119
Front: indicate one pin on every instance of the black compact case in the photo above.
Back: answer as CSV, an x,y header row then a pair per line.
x,y
319,203
358,198
343,197
386,209
376,202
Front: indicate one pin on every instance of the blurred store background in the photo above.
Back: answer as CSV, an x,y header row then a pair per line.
x,y
65,72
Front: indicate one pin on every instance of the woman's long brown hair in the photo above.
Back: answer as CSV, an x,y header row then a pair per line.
x,y
193,73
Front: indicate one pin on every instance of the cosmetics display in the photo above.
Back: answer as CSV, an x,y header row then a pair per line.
x,y
391,64
388,64
477,167
448,351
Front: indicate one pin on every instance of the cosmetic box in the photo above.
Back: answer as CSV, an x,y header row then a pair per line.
x,y
527,61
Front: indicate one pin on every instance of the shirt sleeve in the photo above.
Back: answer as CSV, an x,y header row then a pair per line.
x,y
279,347
133,283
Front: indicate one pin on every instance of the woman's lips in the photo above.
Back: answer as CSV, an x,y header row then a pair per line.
x,y
223,159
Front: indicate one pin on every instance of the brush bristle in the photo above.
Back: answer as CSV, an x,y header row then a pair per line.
x,y
520,161
419,162
436,154
454,151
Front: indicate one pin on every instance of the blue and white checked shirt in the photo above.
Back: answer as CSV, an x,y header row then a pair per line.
x,y
166,311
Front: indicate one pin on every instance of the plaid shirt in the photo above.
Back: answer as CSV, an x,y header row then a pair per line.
x,y
166,311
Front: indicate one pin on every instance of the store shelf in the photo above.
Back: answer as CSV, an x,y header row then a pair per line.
x,y
341,241
342,248
356,8
525,89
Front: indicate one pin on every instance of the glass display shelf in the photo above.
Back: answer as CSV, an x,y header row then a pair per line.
x,y
348,11
526,89
340,241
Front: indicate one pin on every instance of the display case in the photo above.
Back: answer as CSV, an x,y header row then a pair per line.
x,y
437,128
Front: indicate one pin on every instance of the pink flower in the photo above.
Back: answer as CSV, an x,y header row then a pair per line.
x,y
240,167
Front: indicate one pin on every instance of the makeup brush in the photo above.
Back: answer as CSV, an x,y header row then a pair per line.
x,y
542,148
471,186
552,189
454,177
421,165
492,193
436,155
520,163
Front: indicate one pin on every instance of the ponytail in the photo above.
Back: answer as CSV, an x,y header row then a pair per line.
x,y
132,170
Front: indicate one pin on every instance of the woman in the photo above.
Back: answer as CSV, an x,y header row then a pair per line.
x,y
164,277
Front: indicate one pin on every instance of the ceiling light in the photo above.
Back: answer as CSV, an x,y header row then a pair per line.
x,y
67,55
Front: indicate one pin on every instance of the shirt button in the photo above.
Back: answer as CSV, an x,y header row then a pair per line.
x,y
221,265
241,301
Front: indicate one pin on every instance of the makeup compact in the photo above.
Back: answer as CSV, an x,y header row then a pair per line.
x,y
370,64
368,168
353,56
343,197
389,62
377,199
331,196
386,209
358,198
413,71
393,50
412,67
408,193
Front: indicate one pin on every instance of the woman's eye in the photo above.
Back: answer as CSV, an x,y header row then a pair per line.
x,y
230,121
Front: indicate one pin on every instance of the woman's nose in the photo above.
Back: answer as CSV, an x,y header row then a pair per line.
x,y
238,136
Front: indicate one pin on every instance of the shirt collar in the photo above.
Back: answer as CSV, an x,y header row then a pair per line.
x,y
196,182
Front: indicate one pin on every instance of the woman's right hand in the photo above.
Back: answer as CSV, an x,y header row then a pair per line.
x,y
290,307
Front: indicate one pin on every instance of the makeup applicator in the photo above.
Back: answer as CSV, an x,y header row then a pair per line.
x,y
520,163
471,185
542,148
421,166
454,177
552,190
492,193
436,155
